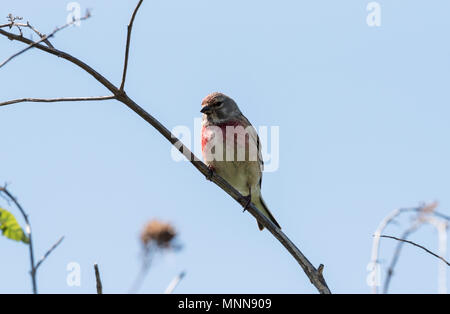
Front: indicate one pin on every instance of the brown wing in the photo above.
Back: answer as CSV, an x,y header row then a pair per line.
x,y
255,139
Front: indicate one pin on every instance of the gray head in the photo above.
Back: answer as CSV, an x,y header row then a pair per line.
x,y
217,108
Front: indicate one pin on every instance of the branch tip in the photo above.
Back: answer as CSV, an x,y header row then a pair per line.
x,y
127,47
98,280
320,270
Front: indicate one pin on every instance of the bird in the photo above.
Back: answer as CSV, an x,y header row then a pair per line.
x,y
231,148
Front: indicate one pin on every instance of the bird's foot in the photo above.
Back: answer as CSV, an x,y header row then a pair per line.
x,y
248,200
210,174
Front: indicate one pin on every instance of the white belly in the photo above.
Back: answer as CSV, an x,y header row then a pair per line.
x,y
234,160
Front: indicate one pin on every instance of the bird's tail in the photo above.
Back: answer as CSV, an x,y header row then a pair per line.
x,y
261,205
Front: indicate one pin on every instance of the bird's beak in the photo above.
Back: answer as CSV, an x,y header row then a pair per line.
x,y
206,110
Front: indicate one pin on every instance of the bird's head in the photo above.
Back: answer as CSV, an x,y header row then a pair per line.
x,y
218,108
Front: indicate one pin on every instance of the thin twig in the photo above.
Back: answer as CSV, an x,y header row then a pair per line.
x,y
396,256
145,267
61,54
440,215
174,283
127,48
63,99
313,274
423,211
39,34
419,246
19,28
28,25
374,262
98,280
48,253
44,38
28,232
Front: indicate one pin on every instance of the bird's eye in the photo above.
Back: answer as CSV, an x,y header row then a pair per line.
x,y
218,104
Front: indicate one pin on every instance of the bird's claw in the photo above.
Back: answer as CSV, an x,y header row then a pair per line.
x,y
248,200
210,174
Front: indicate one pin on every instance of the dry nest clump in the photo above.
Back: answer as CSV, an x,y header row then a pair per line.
x,y
158,233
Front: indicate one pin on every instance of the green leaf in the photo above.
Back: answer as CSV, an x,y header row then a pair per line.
x,y
10,227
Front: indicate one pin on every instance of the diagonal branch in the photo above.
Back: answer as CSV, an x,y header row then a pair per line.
x,y
46,41
313,274
390,272
44,38
28,25
127,48
419,246
63,99
48,253
174,283
28,231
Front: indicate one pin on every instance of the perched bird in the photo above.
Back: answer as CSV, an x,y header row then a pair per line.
x,y
231,148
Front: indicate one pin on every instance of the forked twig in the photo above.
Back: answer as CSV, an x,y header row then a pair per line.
x,y
127,48
314,275
49,252
45,37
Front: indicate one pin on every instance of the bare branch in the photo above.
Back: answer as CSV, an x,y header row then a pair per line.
x,y
390,272
48,253
98,280
28,25
127,49
445,217
63,99
174,283
34,267
376,240
28,232
44,38
419,246
316,278
40,35
425,213
12,22
313,274
101,79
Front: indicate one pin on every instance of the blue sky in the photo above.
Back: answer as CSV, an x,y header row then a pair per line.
x,y
363,115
